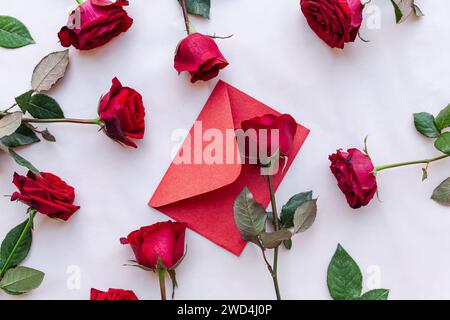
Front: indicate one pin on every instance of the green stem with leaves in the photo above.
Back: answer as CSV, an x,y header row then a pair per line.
x,y
162,283
19,241
402,164
277,227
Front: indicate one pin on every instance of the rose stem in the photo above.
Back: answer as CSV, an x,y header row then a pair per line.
x,y
186,17
79,1
22,235
277,227
68,120
162,283
402,164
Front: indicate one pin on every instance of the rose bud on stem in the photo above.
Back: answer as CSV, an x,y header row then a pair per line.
x,y
198,54
159,248
356,174
121,115
272,137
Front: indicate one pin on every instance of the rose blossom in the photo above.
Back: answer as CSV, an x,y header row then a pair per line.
x,y
354,172
164,241
48,195
123,114
286,127
113,294
334,21
199,55
94,23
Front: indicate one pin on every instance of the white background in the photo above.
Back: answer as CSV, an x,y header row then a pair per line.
x,y
401,243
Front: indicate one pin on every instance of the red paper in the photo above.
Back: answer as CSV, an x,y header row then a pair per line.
x,y
202,195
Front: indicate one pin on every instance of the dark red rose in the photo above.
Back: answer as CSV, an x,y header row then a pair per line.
x,y
48,195
286,127
123,114
164,240
200,56
94,23
354,172
113,294
334,21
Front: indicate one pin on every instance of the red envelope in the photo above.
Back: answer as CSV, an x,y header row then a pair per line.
x,y
202,195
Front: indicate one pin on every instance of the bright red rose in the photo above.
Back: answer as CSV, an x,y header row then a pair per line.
x,y
286,126
113,294
164,240
199,55
48,195
354,172
123,114
334,21
94,23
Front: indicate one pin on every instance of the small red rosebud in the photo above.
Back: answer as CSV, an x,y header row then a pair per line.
x,y
113,294
199,55
354,172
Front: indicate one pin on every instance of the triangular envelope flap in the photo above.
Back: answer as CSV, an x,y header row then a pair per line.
x,y
196,174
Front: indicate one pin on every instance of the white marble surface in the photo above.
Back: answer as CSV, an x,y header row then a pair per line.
x,y
401,243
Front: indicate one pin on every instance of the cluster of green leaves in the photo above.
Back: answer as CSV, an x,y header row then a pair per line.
x,y
251,218
13,33
435,128
404,9
345,280
15,279
15,131
198,7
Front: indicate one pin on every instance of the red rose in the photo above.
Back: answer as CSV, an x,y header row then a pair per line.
x,y
113,294
48,195
334,21
123,114
164,240
286,127
200,56
94,23
354,173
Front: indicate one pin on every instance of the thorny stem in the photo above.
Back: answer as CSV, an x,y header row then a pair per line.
x,y
402,164
186,17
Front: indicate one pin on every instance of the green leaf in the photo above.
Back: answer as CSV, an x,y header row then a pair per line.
x,y
398,12
199,7
48,136
442,193
21,280
288,210
23,162
417,11
443,118
287,244
305,215
11,246
377,294
426,125
23,136
23,100
344,277
424,174
10,123
443,143
49,70
271,240
249,215
13,33
173,278
42,106
404,9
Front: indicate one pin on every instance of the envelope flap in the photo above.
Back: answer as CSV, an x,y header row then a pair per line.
x,y
200,167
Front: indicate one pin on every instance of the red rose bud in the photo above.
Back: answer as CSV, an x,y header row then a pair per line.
x,y
123,114
113,294
164,241
354,172
334,21
199,55
94,23
286,128
48,195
